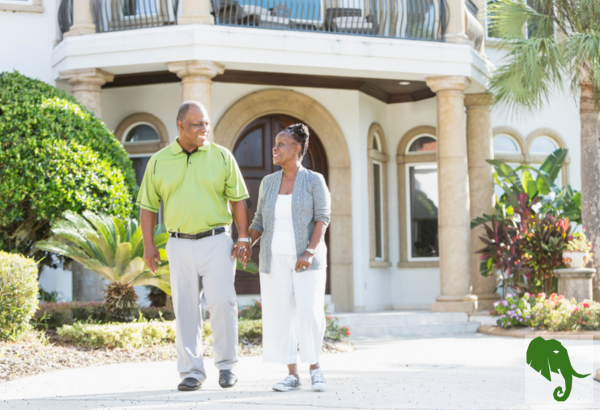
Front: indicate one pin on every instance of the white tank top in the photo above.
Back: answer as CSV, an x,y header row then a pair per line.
x,y
284,241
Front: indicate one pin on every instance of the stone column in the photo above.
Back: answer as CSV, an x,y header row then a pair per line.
x,y
196,12
87,83
83,22
481,187
196,81
453,181
457,23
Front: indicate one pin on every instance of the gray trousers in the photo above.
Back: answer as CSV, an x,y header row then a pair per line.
x,y
202,272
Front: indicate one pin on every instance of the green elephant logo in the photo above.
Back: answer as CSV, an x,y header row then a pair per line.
x,y
546,356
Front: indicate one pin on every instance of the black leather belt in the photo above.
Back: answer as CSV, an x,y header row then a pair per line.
x,y
195,237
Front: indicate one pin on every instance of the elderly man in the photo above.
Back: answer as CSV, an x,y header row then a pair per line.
x,y
197,180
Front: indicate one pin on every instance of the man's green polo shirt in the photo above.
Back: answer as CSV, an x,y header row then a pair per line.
x,y
195,187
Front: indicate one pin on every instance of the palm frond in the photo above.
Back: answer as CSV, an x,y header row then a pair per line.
x,y
105,227
122,258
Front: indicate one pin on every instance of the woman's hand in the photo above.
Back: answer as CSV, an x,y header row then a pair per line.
x,y
304,262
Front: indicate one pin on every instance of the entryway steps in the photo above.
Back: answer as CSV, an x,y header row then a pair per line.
x,y
407,323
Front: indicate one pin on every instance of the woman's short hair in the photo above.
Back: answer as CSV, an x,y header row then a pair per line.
x,y
301,135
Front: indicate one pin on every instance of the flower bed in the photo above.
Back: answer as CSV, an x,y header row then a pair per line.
x,y
554,313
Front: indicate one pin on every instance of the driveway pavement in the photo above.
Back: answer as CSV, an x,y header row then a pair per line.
x,y
449,372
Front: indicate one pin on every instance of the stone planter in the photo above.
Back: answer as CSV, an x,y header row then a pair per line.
x,y
575,283
575,259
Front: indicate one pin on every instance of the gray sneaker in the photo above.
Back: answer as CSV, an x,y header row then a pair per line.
x,y
288,384
317,380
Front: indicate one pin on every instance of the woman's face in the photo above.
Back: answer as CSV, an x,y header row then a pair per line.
x,y
286,149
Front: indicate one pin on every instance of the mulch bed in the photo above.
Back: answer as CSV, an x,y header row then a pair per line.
x,y
32,357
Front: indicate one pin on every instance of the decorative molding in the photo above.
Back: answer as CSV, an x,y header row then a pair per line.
x,y
418,265
513,132
35,7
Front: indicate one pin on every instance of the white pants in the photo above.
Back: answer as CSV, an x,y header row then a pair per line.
x,y
202,272
293,312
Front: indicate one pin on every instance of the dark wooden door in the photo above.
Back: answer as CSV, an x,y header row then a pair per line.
x,y
253,153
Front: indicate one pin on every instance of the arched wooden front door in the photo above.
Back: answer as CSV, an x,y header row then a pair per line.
x,y
253,154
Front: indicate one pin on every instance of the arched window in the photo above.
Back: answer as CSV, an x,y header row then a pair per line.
x,y
142,135
543,145
418,198
504,143
378,209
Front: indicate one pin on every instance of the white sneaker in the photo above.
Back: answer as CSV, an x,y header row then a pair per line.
x,y
317,380
288,384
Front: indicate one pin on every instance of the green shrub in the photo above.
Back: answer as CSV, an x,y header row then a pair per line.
x,y
250,330
334,331
55,156
251,312
130,335
55,315
18,294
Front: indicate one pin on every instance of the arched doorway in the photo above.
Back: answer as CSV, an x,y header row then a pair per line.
x,y
252,151
297,105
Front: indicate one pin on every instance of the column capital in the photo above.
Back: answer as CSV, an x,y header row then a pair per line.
x,y
448,83
484,100
203,68
94,77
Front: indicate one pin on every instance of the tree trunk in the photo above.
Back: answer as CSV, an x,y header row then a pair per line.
x,y
590,177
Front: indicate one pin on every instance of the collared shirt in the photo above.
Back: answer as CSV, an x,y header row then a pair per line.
x,y
195,187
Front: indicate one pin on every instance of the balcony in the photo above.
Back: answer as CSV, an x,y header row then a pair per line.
x,y
402,19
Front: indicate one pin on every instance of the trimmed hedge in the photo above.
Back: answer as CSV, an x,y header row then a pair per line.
x,y
55,156
18,294
56,315
142,334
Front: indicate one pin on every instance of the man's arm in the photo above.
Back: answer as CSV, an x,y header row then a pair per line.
x,y
151,255
241,250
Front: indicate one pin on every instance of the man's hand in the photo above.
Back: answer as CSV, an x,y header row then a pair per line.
x,y
242,252
151,256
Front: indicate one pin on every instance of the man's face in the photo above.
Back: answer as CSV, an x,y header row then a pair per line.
x,y
193,131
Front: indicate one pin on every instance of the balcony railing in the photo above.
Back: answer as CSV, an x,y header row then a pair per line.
x,y
410,19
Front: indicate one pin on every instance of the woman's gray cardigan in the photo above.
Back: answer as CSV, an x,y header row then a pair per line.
x,y
311,202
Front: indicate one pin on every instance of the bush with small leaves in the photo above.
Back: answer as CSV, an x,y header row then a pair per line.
x,y
55,156
18,294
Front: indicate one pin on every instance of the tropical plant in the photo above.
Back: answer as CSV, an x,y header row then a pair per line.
x,y
113,249
546,238
579,243
54,156
561,45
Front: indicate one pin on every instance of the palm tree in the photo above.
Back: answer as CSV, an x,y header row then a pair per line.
x,y
114,250
551,43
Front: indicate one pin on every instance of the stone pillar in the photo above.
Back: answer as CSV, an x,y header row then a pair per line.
x,y
481,187
87,83
453,181
196,81
83,22
457,22
575,283
196,12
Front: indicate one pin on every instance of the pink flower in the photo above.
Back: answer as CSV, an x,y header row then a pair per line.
x,y
585,305
348,332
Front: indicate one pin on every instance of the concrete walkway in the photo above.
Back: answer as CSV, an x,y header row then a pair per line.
x,y
446,372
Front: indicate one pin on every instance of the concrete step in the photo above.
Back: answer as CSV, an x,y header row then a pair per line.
x,y
407,323
389,318
414,329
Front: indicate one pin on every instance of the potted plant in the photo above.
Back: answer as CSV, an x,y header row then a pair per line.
x,y
577,254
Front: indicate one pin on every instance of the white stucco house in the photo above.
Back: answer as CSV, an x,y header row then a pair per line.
x,y
394,92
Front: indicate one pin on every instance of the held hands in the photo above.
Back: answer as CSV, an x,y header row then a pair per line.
x,y
303,262
151,256
242,252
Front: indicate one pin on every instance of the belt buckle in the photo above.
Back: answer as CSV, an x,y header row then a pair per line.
x,y
176,235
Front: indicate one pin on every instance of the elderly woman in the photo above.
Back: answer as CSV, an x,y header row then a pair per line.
x,y
292,215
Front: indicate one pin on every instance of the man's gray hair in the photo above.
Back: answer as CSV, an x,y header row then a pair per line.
x,y
185,107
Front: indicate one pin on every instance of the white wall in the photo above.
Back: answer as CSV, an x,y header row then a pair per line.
x,y
28,40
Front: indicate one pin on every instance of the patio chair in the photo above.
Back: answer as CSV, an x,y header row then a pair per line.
x,y
346,20
253,15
